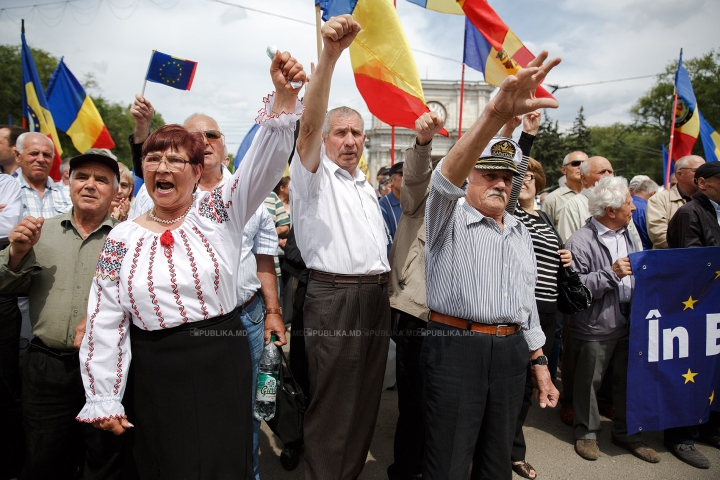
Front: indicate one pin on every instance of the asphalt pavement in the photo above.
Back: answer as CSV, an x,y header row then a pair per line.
x,y
549,449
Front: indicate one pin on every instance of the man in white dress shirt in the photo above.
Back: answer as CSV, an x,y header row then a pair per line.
x,y
341,234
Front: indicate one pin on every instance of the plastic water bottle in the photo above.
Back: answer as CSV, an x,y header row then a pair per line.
x,y
267,382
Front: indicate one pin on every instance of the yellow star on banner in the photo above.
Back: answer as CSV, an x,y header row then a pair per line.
x,y
712,397
689,376
689,304
718,275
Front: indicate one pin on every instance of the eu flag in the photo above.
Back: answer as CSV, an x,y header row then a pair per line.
x,y
171,71
674,361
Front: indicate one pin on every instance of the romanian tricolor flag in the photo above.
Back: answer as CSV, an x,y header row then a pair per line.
x,y
499,51
36,113
385,71
687,118
75,112
442,6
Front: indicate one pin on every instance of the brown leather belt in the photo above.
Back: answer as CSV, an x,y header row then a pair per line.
x,y
338,279
247,304
497,330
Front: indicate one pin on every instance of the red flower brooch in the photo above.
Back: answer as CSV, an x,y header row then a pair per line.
x,y
167,241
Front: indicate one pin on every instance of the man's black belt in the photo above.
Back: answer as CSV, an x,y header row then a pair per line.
x,y
37,343
339,279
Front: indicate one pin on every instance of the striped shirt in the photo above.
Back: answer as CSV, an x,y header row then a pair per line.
x,y
473,269
53,202
545,245
277,211
259,238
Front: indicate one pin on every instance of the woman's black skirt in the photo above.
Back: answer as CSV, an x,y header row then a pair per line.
x,y
190,401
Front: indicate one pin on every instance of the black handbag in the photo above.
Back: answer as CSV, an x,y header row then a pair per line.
x,y
573,295
290,406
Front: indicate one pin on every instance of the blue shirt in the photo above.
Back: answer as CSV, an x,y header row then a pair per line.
x,y
717,210
640,221
391,212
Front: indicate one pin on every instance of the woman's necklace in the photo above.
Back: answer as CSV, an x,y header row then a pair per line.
x,y
168,222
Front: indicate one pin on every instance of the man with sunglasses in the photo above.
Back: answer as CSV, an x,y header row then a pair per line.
x,y
557,199
663,205
258,302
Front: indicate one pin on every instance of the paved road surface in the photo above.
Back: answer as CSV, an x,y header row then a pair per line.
x,y
550,451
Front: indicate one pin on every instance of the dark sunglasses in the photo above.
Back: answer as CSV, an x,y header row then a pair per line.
x,y
212,134
574,163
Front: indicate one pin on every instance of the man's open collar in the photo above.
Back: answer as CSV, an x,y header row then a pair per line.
x,y
334,168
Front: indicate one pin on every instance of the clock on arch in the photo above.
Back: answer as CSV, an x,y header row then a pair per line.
x,y
438,108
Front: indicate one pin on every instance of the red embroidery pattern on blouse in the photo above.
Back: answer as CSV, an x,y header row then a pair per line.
x,y
173,284
216,278
91,341
121,331
213,207
151,288
133,268
111,257
193,265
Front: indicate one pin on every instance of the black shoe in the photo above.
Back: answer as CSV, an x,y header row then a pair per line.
x,y
714,440
290,458
690,455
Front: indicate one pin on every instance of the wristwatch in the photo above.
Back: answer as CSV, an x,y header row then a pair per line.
x,y
541,360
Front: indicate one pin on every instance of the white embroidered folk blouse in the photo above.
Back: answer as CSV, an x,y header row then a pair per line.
x,y
155,287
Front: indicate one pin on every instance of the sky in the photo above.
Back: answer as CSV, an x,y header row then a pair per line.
x,y
113,39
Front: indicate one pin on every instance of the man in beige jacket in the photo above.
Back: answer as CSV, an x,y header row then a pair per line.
x,y
407,297
663,205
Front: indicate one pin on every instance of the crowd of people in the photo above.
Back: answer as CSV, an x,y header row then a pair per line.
x,y
150,313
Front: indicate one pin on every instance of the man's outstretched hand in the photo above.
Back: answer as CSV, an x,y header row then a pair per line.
x,y
517,92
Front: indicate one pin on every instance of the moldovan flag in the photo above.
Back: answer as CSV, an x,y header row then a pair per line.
x,y
687,118
75,112
442,6
35,108
498,51
384,67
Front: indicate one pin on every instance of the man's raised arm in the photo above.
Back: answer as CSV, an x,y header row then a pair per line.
x,y
337,34
516,97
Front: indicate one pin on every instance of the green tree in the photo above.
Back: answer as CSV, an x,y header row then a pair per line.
x,y
579,136
116,116
632,150
653,110
549,149
11,78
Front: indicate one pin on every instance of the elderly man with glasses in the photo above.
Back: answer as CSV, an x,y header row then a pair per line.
x,y
557,199
663,205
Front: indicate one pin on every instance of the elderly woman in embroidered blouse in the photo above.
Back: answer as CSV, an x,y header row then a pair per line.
x,y
164,294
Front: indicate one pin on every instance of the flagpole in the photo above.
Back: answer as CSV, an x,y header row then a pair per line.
x,y
318,21
142,93
462,94
672,129
672,134
392,147
24,113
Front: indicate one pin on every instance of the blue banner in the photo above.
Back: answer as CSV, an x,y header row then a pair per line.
x,y
674,359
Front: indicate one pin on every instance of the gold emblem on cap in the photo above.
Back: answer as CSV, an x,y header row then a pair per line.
x,y
503,149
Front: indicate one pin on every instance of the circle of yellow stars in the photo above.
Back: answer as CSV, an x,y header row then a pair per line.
x,y
172,67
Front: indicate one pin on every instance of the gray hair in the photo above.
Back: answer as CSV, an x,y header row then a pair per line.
x,y
20,143
65,165
608,192
645,186
585,168
683,161
343,112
